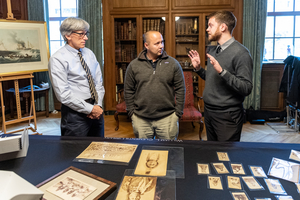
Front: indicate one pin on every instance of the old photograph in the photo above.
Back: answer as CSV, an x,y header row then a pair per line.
x,y
203,168
252,183
136,187
239,196
237,168
220,168
223,156
215,182
152,163
234,182
295,155
70,188
109,151
257,171
274,186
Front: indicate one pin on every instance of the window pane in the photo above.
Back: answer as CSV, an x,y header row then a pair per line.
x,y
55,45
268,53
284,26
54,8
297,5
297,47
297,28
54,33
281,46
270,27
270,6
68,8
284,5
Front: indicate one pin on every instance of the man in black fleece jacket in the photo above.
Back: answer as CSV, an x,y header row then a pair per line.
x,y
228,79
154,91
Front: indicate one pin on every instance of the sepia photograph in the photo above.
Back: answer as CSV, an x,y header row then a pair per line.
x,y
237,168
203,168
252,183
152,163
223,156
274,186
214,182
220,168
257,171
239,196
137,187
295,155
109,151
234,182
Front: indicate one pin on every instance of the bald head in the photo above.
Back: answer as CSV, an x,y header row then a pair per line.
x,y
150,35
154,43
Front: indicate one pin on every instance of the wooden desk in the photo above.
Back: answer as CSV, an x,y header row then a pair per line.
x,y
26,95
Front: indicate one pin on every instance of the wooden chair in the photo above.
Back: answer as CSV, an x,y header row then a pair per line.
x,y
190,113
120,108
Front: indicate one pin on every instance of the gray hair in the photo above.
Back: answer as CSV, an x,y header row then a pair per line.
x,y
73,24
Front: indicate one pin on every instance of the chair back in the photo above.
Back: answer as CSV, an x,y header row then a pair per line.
x,y
189,90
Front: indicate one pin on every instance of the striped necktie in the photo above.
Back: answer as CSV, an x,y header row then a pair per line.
x,y
218,49
90,78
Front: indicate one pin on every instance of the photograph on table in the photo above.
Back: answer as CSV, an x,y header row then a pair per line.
x,y
259,198
203,169
280,197
252,183
242,195
257,171
152,163
237,168
223,156
107,152
214,182
286,170
137,187
295,155
220,168
298,187
275,186
73,183
234,182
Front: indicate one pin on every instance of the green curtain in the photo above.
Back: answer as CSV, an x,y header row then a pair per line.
x,y
254,24
36,13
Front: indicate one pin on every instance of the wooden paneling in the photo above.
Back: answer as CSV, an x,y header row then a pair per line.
x,y
202,4
3,9
139,4
18,7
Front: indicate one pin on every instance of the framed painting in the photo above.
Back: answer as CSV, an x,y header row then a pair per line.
x,y
24,47
76,184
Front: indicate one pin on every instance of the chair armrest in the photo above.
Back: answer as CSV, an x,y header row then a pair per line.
x,y
120,94
198,100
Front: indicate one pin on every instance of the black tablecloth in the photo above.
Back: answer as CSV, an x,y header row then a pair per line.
x,y
48,155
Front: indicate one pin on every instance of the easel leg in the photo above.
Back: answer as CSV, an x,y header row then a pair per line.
x,y
3,110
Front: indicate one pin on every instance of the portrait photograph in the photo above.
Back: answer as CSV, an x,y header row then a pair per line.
x,y
274,186
234,182
252,183
220,168
239,196
137,187
237,168
214,182
203,168
257,171
152,163
295,155
223,156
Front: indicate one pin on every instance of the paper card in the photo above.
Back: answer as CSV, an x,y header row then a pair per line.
x,y
240,195
203,169
274,186
252,183
295,155
220,168
237,168
257,171
214,182
234,182
223,156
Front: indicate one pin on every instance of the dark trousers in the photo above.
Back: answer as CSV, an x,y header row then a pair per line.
x,y
224,126
74,123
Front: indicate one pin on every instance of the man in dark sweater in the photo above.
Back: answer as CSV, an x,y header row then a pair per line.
x,y
154,91
228,79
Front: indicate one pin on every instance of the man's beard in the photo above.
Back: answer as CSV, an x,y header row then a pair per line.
x,y
215,37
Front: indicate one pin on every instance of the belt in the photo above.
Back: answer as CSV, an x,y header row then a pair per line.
x,y
90,101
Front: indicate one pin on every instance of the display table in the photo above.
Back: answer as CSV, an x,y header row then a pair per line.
x,y
48,155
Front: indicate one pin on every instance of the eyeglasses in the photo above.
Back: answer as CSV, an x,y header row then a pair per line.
x,y
81,35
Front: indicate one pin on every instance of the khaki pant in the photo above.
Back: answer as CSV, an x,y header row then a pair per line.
x,y
165,128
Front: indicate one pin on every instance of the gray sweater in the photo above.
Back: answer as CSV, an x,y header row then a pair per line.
x,y
227,92
149,92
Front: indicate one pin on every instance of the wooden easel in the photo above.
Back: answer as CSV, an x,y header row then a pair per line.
x,y
32,114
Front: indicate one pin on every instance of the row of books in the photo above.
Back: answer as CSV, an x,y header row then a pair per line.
x,y
125,30
120,73
153,25
125,52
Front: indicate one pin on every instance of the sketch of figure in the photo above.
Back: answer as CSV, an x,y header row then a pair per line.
x,y
295,155
274,186
220,168
252,183
258,171
151,161
237,168
214,182
234,182
136,188
239,196
203,169
223,156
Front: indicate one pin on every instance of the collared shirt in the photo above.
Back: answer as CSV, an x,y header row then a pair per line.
x,y
226,44
70,81
153,64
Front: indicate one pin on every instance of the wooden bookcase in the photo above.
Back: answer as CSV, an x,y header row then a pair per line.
x,y
181,22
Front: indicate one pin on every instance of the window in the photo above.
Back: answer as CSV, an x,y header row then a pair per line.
x,y
282,30
59,10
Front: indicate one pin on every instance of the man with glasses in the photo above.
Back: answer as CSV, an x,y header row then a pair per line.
x,y
77,82
154,91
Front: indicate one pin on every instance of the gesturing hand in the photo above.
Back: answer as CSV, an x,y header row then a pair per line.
x,y
195,58
215,63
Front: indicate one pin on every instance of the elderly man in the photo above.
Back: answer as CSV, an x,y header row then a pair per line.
x,y
77,82
152,83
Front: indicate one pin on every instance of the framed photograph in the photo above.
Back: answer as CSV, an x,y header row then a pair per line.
x,y
274,186
203,169
214,182
252,183
24,47
234,182
223,156
76,184
295,155
240,195
220,168
258,171
237,168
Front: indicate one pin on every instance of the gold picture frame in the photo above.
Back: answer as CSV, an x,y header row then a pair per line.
x,y
24,47
87,186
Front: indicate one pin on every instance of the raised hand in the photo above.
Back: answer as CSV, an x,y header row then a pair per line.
x,y
195,58
215,63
